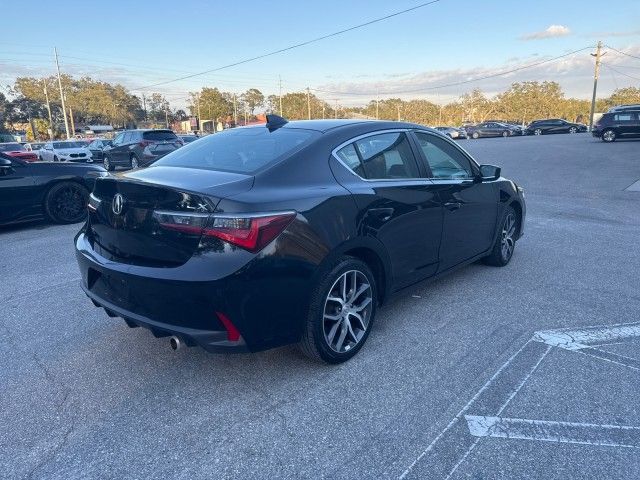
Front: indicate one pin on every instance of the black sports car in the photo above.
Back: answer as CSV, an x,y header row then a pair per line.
x,y
554,125
489,129
33,190
291,232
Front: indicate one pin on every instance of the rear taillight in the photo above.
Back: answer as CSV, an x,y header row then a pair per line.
x,y
251,232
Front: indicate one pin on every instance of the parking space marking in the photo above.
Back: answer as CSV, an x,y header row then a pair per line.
x,y
559,432
451,447
586,337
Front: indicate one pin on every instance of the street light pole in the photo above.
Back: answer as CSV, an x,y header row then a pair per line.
x,y
596,74
64,109
46,96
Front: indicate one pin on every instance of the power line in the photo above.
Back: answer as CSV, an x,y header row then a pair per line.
x,y
621,73
297,45
623,53
463,82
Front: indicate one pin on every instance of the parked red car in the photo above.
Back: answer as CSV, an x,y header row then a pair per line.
x,y
16,150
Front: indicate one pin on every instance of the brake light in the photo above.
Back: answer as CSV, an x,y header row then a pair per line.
x,y
251,232
233,335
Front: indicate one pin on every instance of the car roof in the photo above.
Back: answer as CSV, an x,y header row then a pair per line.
x,y
334,124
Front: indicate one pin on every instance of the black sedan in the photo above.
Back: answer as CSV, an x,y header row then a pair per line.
x,y
97,148
57,191
489,129
553,125
291,232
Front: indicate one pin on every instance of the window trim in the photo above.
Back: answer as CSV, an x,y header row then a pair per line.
x,y
475,166
406,131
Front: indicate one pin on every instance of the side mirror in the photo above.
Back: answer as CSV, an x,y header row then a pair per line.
x,y
489,172
5,166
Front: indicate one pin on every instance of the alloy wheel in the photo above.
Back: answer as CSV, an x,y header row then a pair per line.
x,y
68,204
505,134
507,241
134,162
537,131
347,311
573,130
105,162
609,136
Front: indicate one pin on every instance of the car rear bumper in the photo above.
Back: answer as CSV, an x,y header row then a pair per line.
x,y
264,307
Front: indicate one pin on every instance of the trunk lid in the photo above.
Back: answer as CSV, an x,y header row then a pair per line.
x,y
122,225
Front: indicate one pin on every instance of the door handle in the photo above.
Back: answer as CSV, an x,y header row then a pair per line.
x,y
382,214
453,205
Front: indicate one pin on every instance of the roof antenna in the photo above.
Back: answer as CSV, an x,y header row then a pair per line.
x,y
275,121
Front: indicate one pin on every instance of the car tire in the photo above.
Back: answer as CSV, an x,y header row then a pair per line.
x,y
40,158
505,134
55,158
339,319
537,131
133,161
609,136
475,135
573,130
107,164
66,202
505,239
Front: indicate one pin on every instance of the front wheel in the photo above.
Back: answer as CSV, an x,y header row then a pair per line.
x,y
134,161
475,135
341,312
608,136
66,202
573,130
505,134
505,241
107,164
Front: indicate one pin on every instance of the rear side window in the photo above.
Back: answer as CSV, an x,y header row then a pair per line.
x,y
625,117
350,158
239,150
158,136
387,156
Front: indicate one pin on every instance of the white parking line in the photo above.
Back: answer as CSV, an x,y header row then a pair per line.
x,y
585,337
559,432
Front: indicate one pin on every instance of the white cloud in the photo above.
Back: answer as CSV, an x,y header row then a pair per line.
x,y
550,32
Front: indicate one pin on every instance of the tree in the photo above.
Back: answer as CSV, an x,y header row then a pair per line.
x,y
252,98
158,107
214,104
622,96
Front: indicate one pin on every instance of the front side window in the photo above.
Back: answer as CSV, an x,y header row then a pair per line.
x,y
444,160
387,156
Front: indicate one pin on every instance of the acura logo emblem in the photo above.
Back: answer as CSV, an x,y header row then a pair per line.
x,y
117,204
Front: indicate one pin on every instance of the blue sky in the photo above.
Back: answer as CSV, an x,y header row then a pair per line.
x,y
142,43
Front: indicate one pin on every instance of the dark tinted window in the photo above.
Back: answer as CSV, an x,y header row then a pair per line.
x,y
625,117
350,158
444,159
159,135
241,150
387,156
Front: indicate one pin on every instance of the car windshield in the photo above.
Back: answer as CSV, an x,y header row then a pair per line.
x,y
188,138
241,150
11,147
69,144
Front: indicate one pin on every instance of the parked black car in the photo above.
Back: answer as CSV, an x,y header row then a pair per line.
x,y
57,191
139,148
553,125
97,148
489,129
622,108
618,124
290,232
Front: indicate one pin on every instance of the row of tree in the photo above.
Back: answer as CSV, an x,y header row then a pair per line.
x,y
96,102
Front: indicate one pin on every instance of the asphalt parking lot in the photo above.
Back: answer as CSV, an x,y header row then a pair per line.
x,y
527,371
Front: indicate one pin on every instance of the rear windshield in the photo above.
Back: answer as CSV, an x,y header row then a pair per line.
x,y
159,136
11,147
241,150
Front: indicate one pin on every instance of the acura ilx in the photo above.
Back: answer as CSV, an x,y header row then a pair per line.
x,y
290,232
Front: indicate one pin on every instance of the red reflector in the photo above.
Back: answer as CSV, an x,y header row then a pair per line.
x,y
233,335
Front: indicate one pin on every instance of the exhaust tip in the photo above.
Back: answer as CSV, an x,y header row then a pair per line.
x,y
175,343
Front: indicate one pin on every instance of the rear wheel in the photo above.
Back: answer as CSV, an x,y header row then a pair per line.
x,y
107,164
475,135
505,240
609,136
341,312
505,134
66,202
134,161
573,130
55,158
537,131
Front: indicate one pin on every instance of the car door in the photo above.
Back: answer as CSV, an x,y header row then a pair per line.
x,y
470,206
18,195
47,152
117,146
398,204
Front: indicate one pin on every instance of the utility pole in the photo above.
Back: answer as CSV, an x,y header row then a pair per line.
x,y
398,112
335,111
377,105
596,74
323,108
280,94
73,125
235,111
46,96
144,106
199,117
166,116
308,104
64,109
